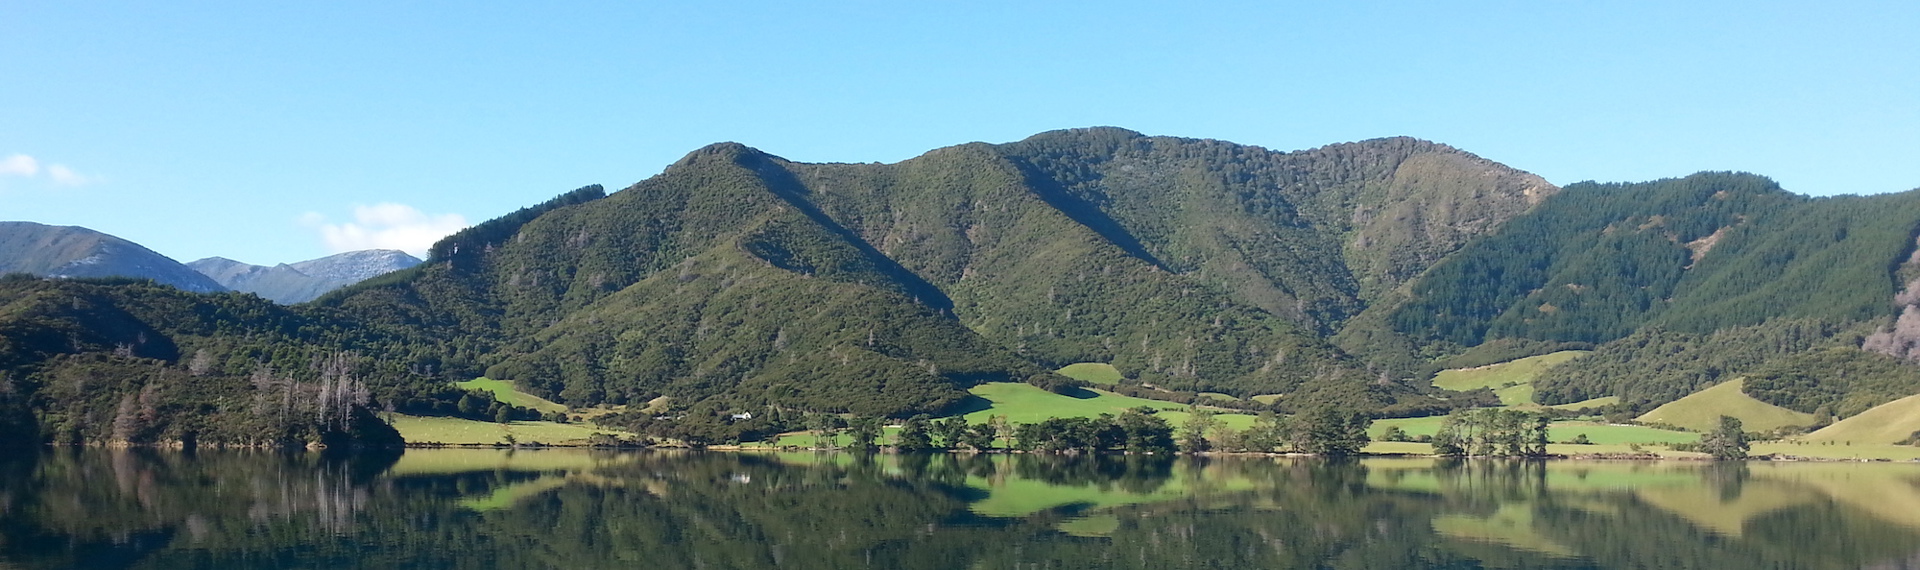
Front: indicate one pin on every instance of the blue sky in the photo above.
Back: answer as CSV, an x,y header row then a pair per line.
x,y
277,131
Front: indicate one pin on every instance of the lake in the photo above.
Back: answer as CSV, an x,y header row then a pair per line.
x,y
98,508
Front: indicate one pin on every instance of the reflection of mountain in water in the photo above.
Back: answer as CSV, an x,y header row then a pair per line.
x,y
488,509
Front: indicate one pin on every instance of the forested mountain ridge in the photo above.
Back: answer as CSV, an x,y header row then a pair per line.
x,y
1701,253
1684,283
1231,262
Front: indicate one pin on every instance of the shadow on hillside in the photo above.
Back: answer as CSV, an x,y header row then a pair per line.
x,y
968,405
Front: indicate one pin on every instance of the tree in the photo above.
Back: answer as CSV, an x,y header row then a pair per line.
x,y
1146,432
1002,430
1537,440
913,436
504,415
864,431
1729,441
952,432
1395,434
980,437
1269,431
1193,436
826,430
1492,432
1330,432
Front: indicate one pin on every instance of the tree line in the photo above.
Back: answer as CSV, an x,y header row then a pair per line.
x,y
1141,430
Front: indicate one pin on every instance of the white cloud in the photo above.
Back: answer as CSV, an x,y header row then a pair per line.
x,y
19,165
66,176
385,226
25,166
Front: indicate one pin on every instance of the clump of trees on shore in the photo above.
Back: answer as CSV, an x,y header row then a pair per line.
x,y
1493,432
1136,431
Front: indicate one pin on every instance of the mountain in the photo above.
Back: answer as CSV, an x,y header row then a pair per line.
x,y
306,280
1189,264
69,252
357,266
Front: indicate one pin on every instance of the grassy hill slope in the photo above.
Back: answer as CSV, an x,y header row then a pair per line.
x,y
1892,422
1701,411
505,392
1512,380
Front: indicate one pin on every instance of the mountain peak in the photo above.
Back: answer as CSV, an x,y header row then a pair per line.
x,y
77,252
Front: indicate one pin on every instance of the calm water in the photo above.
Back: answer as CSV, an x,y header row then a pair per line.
x,y
577,509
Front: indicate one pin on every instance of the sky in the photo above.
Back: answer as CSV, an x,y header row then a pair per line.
x,y
272,132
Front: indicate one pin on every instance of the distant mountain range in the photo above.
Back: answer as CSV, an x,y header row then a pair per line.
x,y
306,280
76,252
69,251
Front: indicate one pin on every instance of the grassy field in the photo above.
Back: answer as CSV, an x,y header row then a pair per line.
x,y
1701,411
1518,395
1513,380
1098,373
1607,434
505,392
418,429
1024,403
1413,426
1559,431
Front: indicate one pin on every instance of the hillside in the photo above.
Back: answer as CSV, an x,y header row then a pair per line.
x,y
1679,284
1892,422
996,262
75,252
1512,381
1701,411
1697,255
306,280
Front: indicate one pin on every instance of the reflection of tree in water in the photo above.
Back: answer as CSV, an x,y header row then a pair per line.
x,y
1139,474
714,510
85,508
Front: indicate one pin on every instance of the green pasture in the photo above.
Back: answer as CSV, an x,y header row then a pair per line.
x,y
505,392
1892,422
1497,376
1701,411
1024,403
456,431
1098,373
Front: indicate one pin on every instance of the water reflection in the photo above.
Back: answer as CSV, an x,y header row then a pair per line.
x,y
559,508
